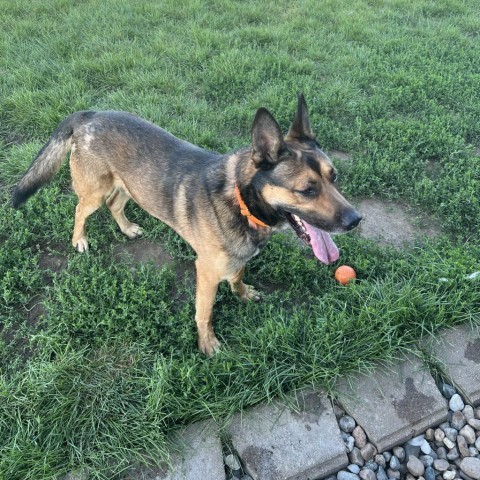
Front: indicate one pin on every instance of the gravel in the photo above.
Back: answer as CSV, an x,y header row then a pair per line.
x,y
445,452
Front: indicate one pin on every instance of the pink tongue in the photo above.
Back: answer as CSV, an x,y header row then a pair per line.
x,y
322,244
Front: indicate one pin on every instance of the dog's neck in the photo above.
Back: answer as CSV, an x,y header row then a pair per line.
x,y
253,221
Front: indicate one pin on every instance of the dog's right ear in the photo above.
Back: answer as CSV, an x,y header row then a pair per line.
x,y
267,139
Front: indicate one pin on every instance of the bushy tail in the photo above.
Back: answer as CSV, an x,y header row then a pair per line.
x,y
48,161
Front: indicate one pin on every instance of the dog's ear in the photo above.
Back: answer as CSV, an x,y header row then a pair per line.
x,y
267,139
300,129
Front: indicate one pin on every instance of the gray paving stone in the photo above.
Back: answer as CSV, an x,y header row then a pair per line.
x,y
459,350
278,442
197,454
393,404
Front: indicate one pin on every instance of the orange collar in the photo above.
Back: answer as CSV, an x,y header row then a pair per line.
x,y
253,221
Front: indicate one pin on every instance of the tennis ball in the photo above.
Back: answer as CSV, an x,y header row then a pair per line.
x,y
345,274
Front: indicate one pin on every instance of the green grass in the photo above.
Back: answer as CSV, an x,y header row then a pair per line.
x,y
98,381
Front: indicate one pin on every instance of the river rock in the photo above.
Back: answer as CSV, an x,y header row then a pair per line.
x,y
360,437
347,424
456,403
469,433
471,466
415,466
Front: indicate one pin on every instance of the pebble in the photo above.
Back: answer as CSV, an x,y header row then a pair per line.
x,y
343,475
380,460
441,465
350,443
451,434
429,473
417,441
476,412
394,463
415,466
381,475
426,448
368,451
399,452
427,460
475,423
449,444
449,474
473,451
463,446
360,437
477,443
439,435
456,403
232,462
429,434
471,466
347,423
468,412
448,391
393,474
469,433
356,457
453,454
458,420
441,453
371,465
367,474
353,468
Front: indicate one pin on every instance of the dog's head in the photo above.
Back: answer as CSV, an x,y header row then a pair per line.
x,y
295,181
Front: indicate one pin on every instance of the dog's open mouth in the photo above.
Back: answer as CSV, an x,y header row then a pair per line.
x,y
318,240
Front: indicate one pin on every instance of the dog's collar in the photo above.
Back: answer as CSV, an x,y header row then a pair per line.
x,y
252,220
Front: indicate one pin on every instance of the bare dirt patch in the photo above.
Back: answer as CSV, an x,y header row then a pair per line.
x,y
141,250
394,223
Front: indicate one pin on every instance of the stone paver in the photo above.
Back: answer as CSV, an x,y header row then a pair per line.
x,y
459,351
395,403
198,454
277,442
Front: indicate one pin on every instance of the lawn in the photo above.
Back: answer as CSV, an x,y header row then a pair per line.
x,y
98,356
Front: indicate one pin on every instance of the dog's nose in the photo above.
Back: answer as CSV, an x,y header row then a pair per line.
x,y
351,219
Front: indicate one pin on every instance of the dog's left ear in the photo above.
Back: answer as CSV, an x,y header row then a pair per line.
x,y
300,129
267,139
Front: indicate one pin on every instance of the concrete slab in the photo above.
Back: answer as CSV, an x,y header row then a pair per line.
x,y
279,442
458,349
197,453
395,403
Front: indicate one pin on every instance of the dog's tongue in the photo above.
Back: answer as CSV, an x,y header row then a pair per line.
x,y
322,244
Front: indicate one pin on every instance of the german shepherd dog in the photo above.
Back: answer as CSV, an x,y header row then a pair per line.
x,y
225,206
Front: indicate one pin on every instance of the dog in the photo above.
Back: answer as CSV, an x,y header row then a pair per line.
x,y
225,206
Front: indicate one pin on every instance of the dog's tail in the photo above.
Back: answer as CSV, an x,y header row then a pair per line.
x,y
48,160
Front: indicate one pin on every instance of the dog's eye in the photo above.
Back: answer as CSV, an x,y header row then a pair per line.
x,y
308,192
334,178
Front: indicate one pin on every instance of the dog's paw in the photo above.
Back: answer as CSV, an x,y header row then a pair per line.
x,y
81,245
133,231
209,345
250,294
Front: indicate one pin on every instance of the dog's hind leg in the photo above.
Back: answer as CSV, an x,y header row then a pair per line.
x,y
116,203
244,291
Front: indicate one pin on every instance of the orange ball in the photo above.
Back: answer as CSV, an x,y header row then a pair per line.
x,y
345,274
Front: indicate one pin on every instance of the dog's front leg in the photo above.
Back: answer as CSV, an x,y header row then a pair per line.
x,y
207,286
